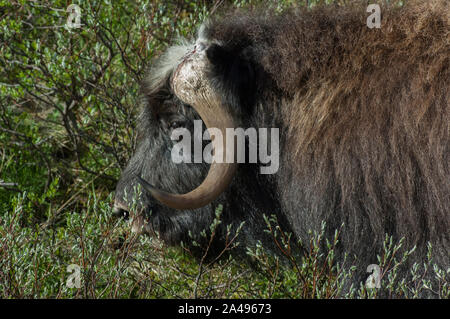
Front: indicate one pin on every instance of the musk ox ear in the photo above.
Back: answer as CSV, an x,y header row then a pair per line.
x,y
233,75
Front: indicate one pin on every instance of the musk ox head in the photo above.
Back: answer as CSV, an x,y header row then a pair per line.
x,y
200,80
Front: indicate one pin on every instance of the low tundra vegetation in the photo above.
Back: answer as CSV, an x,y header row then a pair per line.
x,y
114,263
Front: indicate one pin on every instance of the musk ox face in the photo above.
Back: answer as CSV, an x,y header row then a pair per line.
x,y
163,112
193,81
152,164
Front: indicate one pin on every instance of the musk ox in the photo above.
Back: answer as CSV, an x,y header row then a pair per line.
x,y
364,121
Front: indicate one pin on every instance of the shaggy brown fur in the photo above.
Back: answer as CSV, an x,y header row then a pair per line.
x,y
366,117
371,126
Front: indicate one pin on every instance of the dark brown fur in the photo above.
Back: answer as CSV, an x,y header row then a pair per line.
x,y
365,114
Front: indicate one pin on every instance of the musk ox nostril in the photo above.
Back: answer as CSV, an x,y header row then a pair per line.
x,y
120,212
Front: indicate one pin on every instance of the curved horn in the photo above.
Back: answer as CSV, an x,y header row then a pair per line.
x,y
190,85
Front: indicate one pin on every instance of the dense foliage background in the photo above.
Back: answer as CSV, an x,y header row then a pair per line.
x,y
68,105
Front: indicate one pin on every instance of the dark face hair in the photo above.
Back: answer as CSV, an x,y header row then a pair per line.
x,y
161,114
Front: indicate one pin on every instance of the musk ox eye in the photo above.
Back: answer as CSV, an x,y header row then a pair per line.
x,y
169,125
176,124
